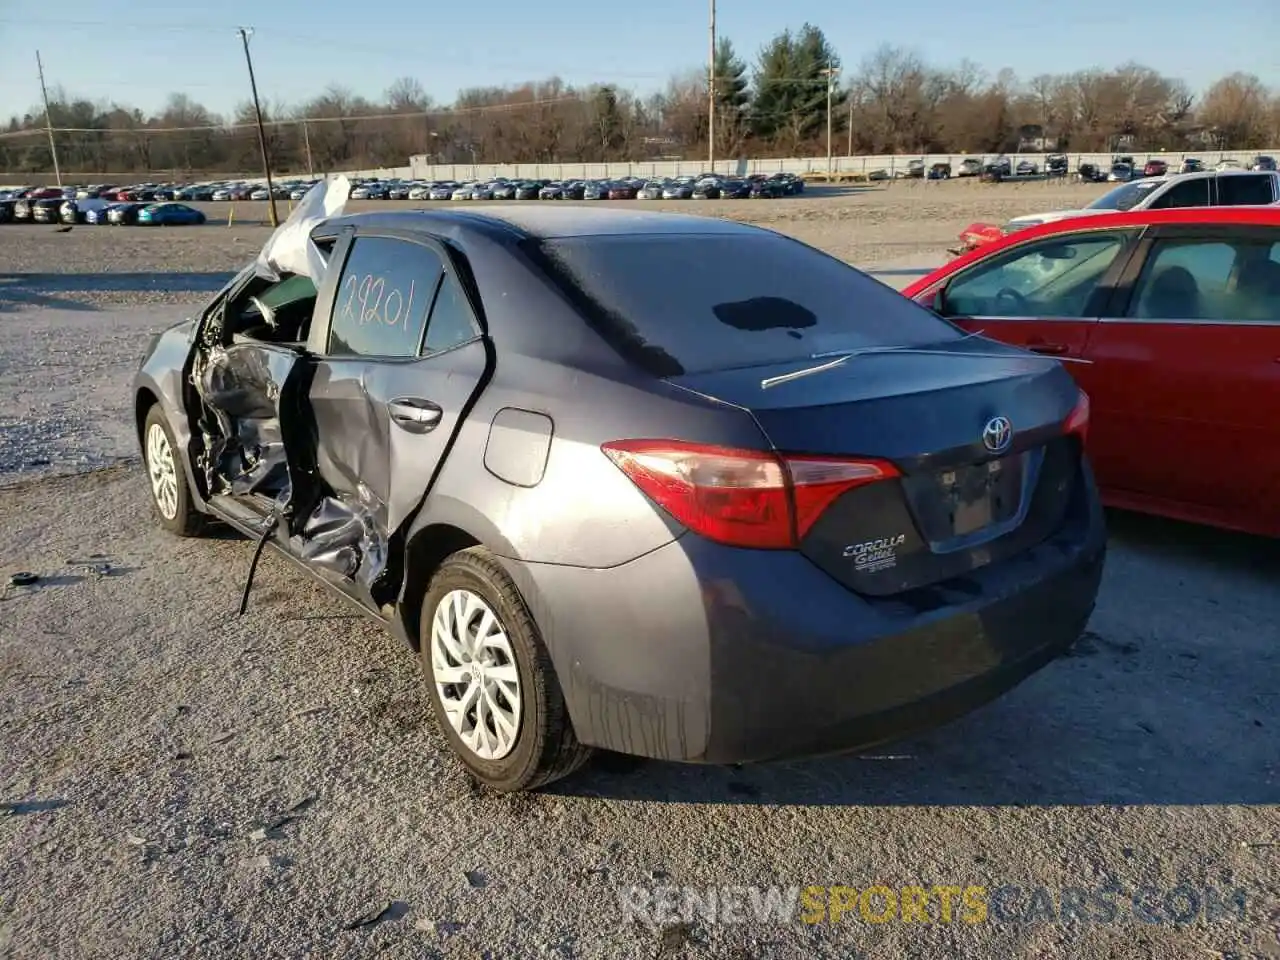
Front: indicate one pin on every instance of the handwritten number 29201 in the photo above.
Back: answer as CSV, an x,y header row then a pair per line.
x,y
366,300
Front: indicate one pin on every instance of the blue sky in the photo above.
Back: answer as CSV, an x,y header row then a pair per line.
x,y
136,52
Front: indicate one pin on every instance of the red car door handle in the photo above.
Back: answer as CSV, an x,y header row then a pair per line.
x,y
1054,349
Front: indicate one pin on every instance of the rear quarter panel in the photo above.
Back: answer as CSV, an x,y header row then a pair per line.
x,y
583,511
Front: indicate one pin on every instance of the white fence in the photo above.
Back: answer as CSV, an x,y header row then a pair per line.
x,y
420,169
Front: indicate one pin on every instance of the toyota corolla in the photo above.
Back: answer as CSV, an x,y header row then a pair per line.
x,y
773,510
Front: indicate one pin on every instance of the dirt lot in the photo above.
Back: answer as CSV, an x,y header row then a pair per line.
x,y
179,782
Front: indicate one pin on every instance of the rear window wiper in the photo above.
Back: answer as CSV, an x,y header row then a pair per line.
x,y
840,357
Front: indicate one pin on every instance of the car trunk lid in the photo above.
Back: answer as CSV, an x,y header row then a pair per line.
x,y
959,501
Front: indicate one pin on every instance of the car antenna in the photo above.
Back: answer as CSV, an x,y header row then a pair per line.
x,y
273,521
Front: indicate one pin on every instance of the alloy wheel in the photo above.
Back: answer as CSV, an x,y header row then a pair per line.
x,y
474,669
162,472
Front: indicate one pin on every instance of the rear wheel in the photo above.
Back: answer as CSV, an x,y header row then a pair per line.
x,y
170,494
491,681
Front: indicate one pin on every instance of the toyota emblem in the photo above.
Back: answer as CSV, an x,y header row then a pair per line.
x,y
997,434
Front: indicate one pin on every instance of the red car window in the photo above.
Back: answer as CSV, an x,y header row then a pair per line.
x,y
1208,280
1052,277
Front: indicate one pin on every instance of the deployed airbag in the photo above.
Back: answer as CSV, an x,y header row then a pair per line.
x,y
290,249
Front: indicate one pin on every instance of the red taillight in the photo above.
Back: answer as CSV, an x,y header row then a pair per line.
x,y
746,498
1078,422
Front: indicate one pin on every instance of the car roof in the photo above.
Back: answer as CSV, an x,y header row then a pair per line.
x,y
548,222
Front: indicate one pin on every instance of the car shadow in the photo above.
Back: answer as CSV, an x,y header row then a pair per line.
x,y
29,286
16,296
1238,553
1141,711
815,189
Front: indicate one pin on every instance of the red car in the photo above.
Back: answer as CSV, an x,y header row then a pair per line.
x,y
1173,319
1155,168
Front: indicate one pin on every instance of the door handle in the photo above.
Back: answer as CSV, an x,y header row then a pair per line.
x,y
415,415
1053,349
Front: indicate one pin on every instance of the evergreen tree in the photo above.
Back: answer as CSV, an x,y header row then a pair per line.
x,y
790,105
733,96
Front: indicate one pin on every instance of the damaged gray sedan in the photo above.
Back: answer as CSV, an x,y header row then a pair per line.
x,y
773,510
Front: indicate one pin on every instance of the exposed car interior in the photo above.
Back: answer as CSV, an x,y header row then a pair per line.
x,y
278,312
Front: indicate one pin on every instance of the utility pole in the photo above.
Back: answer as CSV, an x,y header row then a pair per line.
x,y
306,141
831,83
48,122
849,153
262,133
711,94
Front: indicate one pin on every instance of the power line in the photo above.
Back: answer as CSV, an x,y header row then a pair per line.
x,y
353,119
289,121
117,25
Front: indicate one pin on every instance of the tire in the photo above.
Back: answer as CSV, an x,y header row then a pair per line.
x,y
544,748
170,496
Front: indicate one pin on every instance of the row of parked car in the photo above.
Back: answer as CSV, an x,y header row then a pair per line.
x,y
704,187
97,211
1124,169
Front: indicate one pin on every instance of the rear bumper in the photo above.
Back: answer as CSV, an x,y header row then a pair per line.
x,y
707,653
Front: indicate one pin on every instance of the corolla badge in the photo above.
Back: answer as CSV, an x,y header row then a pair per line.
x,y
997,434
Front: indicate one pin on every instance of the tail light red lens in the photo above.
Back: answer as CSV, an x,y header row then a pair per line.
x,y
746,498
1078,422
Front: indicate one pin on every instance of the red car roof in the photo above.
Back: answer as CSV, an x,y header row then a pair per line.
x,y
1260,216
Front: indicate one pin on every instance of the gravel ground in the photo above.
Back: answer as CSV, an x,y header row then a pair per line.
x,y
176,781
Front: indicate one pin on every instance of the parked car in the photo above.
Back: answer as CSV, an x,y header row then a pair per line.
x,y
442,191
708,188
1228,164
792,184
765,188
98,215
1262,162
6,209
1056,165
47,209
652,190
940,171
573,190
1191,165
1121,172
681,189
170,214
504,190
1230,188
1181,373
1026,168
551,191
1155,168
1091,173
915,169
596,190
70,211
529,190
624,190
938,538
734,189
969,167
125,213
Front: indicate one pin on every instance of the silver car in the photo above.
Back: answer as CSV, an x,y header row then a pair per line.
x,y
773,510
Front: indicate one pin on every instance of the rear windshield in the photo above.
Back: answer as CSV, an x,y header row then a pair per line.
x,y
1125,197
695,303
